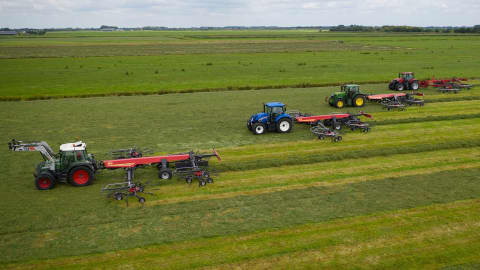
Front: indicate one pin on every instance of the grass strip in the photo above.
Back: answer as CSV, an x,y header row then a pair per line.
x,y
100,231
439,235
387,140
260,181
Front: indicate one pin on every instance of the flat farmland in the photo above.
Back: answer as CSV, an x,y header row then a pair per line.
x,y
404,195
91,64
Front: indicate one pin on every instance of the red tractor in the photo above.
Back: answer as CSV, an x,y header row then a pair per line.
x,y
405,81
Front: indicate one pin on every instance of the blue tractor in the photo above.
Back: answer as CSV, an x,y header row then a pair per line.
x,y
273,118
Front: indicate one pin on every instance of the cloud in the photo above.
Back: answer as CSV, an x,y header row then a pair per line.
x,y
185,13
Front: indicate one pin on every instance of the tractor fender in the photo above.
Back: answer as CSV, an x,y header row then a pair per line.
x,y
283,115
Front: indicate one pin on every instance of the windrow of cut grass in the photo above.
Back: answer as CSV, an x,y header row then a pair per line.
x,y
451,110
348,171
410,238
384,140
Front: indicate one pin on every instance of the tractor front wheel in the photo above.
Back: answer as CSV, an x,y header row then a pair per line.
x,y
339,104
258,128
80,176
399,87
45,181
359,101
391,85
284,125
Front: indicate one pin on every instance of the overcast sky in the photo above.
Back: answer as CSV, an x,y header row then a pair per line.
x,y
188,13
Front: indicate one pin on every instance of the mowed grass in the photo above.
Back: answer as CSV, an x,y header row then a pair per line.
x,y
102,231
210,61
269,182
372,241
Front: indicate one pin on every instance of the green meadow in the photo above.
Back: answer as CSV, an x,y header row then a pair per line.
x,y
96,64
406,195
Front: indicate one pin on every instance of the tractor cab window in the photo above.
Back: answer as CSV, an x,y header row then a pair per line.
x,y
79,155
67,157
277,110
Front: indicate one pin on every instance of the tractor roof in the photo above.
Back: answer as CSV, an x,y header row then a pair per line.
x,y
351,85
73,146
274,104
406,72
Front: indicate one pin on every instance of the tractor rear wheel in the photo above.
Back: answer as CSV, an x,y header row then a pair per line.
x,y
359,101
284,125
414,85
339,104
80,176
45,181
258,128
399,87
165,174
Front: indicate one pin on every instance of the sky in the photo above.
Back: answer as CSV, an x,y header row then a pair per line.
x,y
191,13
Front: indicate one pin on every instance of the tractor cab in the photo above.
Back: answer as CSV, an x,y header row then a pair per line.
x,y
273,118
71,153
273,109
407,76
350,90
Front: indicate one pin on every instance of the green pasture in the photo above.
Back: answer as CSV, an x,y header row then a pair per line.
x,y
403,196
91,63
265,183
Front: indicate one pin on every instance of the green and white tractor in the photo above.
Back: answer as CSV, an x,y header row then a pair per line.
x,y
71,164
349,95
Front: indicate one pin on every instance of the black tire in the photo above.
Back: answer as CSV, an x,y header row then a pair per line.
x,y
414,85
340,103
202,183
118,196
249,125
80,176
359,101
391,85
45,181
188,179
399,87
141,200
321,137
258,128
366,130
337,126
165,174
209,180
284,125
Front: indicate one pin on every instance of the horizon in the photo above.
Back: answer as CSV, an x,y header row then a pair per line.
x,y
41,14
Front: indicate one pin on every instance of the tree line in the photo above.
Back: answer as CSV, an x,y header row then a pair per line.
x,y
411,29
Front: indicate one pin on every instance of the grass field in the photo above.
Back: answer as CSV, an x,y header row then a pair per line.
x,y
91,64
404,196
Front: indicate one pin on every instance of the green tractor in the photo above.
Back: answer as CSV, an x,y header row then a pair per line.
x,y
349,95
72,164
